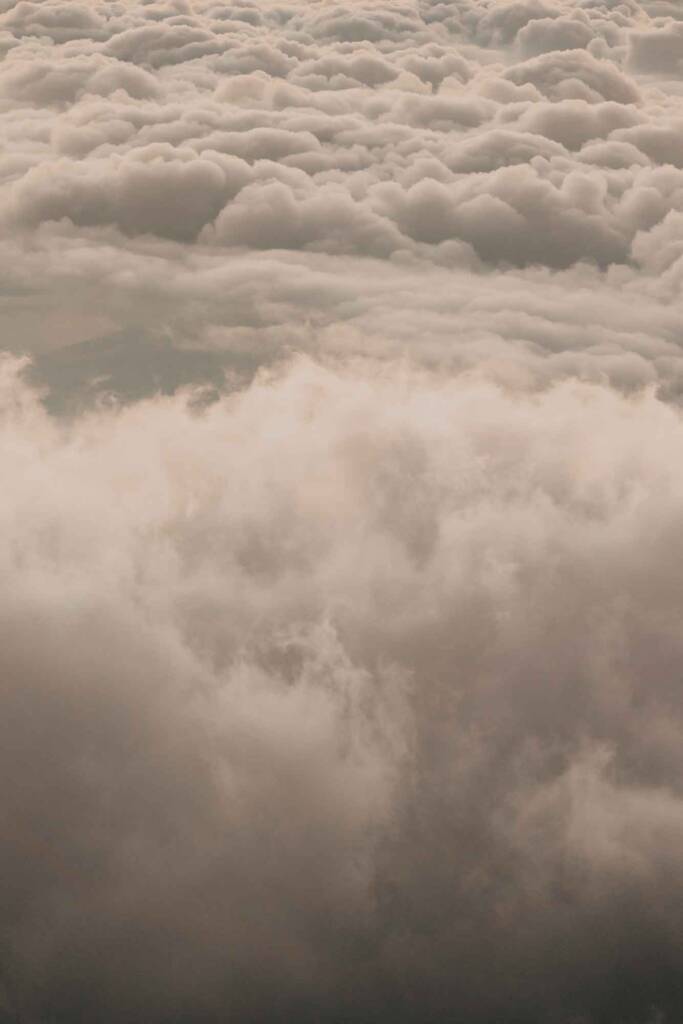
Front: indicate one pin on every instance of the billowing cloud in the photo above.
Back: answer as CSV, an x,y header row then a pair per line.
x,y
340,412
342,695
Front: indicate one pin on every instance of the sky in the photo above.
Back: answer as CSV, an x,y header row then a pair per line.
x,y
341,386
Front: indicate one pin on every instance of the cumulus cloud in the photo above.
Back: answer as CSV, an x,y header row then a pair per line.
x,y
340,410
345,713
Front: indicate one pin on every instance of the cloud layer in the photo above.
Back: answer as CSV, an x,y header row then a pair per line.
x,y
340,430
253,180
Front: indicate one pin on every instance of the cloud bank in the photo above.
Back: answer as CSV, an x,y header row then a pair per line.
x,y
340,434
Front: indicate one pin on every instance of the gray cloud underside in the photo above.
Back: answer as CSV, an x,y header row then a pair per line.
x,y
340,433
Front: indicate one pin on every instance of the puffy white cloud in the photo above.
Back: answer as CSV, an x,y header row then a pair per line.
x,y
60,82
314,665
551,34
574,74
575,122
54,19
159,191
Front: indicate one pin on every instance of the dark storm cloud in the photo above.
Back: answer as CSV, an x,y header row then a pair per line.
x,y
342,685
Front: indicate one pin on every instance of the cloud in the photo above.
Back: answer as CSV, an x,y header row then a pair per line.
x,y
155,192
574,74
57,21
340,412
65,81
545,35
659,50
349,711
